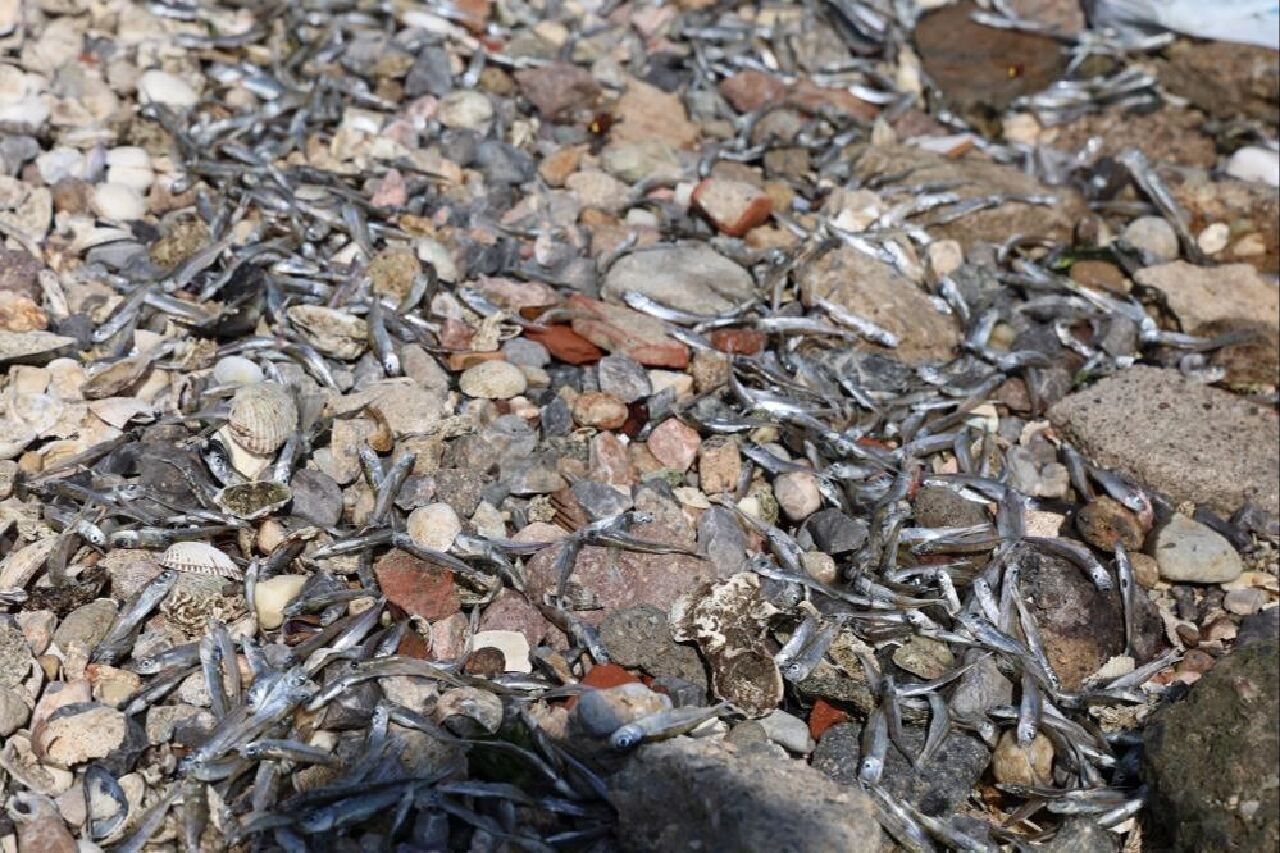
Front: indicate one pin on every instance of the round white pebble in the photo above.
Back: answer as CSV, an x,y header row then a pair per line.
x,y
161,87
1214,238
434,526
118,202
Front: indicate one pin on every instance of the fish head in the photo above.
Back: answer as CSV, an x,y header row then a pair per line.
x,y
626,737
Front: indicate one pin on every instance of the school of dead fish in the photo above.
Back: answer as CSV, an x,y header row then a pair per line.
x,y
276,309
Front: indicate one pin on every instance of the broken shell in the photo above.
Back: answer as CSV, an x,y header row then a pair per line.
x,y
118,411
262,417
39,412
333,332
200,558
16,346
255,499
115,378
250,465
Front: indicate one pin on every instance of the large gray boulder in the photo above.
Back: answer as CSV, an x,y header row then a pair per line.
x,y
1213,760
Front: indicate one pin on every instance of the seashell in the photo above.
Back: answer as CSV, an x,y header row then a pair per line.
x,y
200,558
38,411
118,411
17,346
237,370
21,565
262,417
114,379
333,332
254,499
250,465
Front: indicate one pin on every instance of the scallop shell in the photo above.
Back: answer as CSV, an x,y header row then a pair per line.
x,y
254,499
200,558
262,417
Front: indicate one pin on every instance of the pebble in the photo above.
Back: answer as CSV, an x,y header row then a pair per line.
x,y
468,110
623,378
788,731
434,526
1013,763
271,595
602,712
1255,164
797,493
674,445
160,87
924,657
1146,571
85,626
1244,602
734,207
719,466
14,711
118,202
600,410
1104,521
1214,238
513,645
1154,237
493,380
821,567
945,257
1189,552
687,276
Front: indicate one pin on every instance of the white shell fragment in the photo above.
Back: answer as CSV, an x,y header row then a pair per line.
x,y
200,558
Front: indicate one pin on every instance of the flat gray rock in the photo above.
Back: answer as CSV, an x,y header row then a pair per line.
x,y
687,794
1190,441
688,276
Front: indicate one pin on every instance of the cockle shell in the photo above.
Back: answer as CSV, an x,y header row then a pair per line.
x,y
262,417
200,558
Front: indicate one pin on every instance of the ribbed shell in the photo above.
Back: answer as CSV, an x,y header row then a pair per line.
x,y
262,417
200,558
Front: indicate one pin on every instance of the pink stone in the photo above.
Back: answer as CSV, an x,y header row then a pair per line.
x,y
609,460
449,637
619,329
391,191
674,444
621,578
510,611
